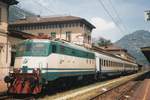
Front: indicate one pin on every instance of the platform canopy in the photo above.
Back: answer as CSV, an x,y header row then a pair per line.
x,y
10,2
146,52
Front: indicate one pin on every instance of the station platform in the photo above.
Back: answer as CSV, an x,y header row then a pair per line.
x,y
143,91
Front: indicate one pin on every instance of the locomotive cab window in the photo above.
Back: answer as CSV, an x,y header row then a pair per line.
x,y
32,49
53,48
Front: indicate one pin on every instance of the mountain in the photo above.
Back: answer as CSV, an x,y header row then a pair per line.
x,y
18,13
133,42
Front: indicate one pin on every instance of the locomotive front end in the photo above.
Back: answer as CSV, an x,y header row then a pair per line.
x,y
31,58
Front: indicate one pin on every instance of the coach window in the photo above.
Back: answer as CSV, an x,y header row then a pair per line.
x,y
107,63
104,62
110,63
101,62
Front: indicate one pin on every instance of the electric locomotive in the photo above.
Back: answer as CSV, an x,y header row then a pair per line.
x,y
40,61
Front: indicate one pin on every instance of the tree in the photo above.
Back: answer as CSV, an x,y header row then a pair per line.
x,y
102,42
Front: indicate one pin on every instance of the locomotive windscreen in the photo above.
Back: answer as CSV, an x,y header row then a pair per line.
x,y
32,49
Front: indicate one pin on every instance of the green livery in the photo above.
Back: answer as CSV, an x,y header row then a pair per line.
x,y
29,48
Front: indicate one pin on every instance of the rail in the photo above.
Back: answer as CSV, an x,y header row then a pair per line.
x,y
94,90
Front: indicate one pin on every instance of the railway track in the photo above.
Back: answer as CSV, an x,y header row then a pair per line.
x,y
90,92
95,91
5,96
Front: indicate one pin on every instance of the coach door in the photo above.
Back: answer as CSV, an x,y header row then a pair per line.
x,y
100,65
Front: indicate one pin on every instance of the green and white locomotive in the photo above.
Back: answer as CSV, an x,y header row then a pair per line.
x,y
45,60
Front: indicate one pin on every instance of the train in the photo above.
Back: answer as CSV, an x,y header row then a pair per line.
x,y
41,61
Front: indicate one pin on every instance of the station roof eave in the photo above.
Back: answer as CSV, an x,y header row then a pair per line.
x,y
19,34
10,2
146,52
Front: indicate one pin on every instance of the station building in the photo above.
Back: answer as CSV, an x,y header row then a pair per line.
x,y
70,28
8,41
4,42
118,51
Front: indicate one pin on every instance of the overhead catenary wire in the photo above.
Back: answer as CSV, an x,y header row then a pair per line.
x,y
46,8
118,16
112,18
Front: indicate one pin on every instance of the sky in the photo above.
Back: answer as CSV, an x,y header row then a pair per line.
x,y
131,13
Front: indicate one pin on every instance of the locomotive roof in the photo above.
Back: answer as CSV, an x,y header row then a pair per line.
x,y
67,44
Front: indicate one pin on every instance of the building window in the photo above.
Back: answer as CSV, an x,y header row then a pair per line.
x,y
62,26
68,36
49,26
66,25
81,25
89,39
53,35
70,25
76,24
73,24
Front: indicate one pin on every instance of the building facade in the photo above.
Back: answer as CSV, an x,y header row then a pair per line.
x,y
118,51
4,43
70,28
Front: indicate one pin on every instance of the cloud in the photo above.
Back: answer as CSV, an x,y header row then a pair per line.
x,y
105,29
101,24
